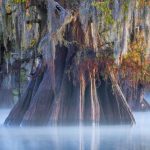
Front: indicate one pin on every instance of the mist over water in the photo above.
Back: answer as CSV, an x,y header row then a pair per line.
x,y
147,96
77,138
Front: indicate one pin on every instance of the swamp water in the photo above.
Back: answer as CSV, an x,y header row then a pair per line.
x,y
77,138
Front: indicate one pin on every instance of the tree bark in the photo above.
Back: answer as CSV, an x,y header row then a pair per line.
x,y
68,91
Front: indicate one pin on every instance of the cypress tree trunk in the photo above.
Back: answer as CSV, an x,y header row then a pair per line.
x,y
69,86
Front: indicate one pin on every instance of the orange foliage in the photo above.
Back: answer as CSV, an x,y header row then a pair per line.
x,y
134,66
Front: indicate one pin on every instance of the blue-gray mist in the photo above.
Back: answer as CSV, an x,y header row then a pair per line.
x,y
78,138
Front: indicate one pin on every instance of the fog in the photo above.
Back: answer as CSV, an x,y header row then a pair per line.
x,y
77,138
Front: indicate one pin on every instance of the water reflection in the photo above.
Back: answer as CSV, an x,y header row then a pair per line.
x,y
79,138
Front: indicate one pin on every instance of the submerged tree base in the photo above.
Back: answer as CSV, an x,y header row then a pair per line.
x,y
78,96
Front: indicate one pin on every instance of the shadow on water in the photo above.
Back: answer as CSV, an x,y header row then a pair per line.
x,y
78,138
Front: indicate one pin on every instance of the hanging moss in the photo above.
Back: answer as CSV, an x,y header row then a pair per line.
x,y
15,92
125,8
23,77
104,8
19,1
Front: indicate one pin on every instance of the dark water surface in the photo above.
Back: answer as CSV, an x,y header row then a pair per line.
x,y
78,138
